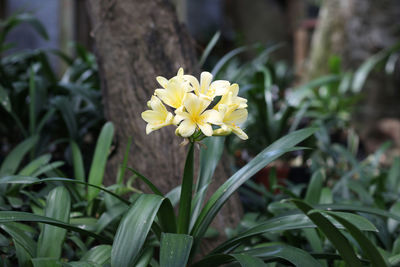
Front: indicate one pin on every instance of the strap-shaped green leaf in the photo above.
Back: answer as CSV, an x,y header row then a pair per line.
x,y
273,252
332,233
314,188
175,249
10,164
217,200
16,179
77,162
185,201
147,181
370,250
17,216
100,255
246,260
277,251
209,158
46,262
135,226
20,236
101,153
51,238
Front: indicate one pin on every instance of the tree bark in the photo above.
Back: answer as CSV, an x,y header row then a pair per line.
x,y
355,30
135,41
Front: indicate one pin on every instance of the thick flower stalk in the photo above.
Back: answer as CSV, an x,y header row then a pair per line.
x,y
197,109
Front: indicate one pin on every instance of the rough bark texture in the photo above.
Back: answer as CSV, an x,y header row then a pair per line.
x,y
355,30
137,40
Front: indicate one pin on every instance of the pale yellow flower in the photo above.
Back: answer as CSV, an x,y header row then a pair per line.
x,y
231,98
206,88
158,116
231,118
194,116
174,91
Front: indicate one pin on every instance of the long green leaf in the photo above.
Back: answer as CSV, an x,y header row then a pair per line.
x,y
148,182
276,251
209,158
283,223
175,249
221,63
355,208
146,258
48,168
23,256
31,20
34,165
314,188
51,238
360,76
77,162
299,94
109,216
332,233
185,202
271,252
174,195
209,48
265,157
17,216
393,178
14,158
32,102
370,250
101,153
5,100
33,180
21,237
100,255
46,262
133,230
122,168
246,260
64,106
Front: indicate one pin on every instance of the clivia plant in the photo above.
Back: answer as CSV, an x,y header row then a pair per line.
x,y
150,233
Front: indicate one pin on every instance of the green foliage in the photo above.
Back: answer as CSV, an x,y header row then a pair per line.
x,y
37,102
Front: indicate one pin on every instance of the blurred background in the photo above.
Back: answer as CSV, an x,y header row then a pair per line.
x,y
312,36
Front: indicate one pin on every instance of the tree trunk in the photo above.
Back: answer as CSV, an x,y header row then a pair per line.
x,y
355,30
136,41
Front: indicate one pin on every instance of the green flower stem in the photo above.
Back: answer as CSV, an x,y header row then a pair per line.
x,y
185,202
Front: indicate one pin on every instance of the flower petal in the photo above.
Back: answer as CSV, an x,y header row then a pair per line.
x,y
240,133
157,105
206,128
162,81
234,88
222,131
180,116
219,87
152,117
149,128
211,116
195,105
193,81
237,117
205,81
186,128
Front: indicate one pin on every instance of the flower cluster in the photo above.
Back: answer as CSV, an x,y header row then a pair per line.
x,y
197,106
